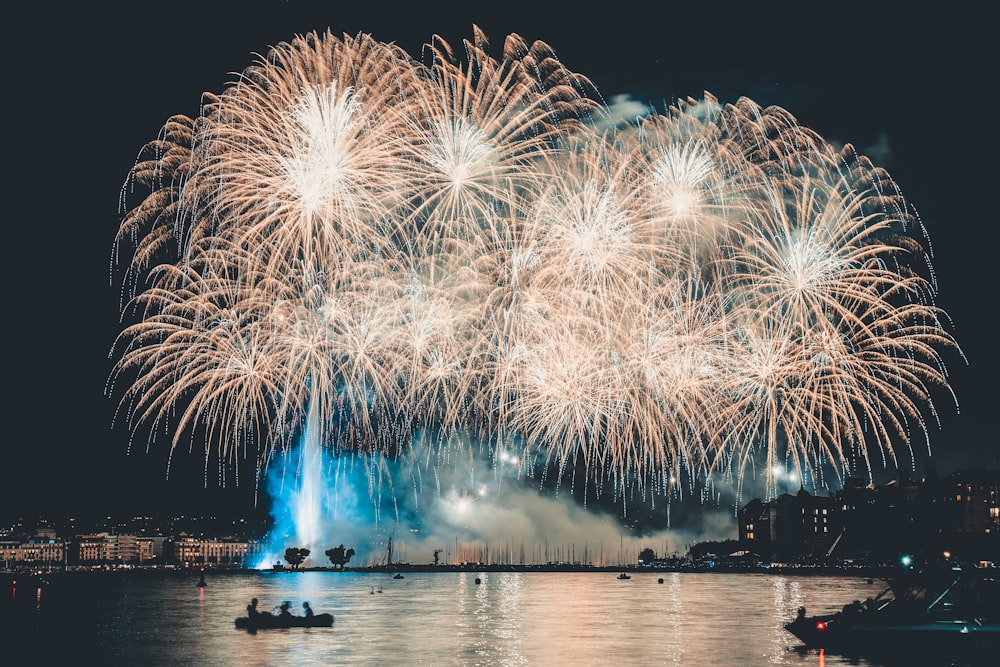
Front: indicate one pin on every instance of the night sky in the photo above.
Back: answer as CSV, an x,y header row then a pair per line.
x,y
87,87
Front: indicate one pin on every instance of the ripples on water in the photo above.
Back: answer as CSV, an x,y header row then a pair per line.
x,y
439,618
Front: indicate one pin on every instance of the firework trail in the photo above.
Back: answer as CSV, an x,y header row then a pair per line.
x,y
374,250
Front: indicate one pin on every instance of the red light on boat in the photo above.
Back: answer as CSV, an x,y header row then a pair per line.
x,y
820,625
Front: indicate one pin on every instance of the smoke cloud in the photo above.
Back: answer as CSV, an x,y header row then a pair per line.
x,y
471,508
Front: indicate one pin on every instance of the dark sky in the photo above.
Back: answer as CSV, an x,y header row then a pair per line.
x,y
88,85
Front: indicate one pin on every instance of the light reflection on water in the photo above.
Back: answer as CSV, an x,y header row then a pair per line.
x,y
435,619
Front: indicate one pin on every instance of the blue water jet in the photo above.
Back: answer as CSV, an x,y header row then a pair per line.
x,y
315,501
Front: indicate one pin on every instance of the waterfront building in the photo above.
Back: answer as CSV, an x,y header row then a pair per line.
x,y
788,527
91,549
36,552
755,527
874,524
194,551
106,548
964,508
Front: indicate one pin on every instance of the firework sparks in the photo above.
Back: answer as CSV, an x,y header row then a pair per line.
x,y
350,241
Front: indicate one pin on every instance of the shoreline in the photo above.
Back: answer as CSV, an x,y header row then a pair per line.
x,y
869,572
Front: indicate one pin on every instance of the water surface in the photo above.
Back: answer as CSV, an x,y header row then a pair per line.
x,y
438,618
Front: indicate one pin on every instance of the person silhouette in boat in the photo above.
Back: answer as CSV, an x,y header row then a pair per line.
x,y
308,609
285,611
255,617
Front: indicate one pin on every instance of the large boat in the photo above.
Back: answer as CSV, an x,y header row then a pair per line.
x,y
952,611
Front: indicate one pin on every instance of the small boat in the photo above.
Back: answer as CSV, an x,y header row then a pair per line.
x,y
397,576
953,613
624,575
267,621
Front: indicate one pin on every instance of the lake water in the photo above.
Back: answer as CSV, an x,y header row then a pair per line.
x,y
438,618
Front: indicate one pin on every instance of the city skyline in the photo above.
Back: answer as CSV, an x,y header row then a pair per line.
x,y
886,120
856,525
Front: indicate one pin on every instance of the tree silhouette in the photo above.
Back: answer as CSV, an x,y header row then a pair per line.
x,y
295,556
339,556
647,555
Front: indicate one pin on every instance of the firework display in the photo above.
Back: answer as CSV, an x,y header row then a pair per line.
x,y
473,249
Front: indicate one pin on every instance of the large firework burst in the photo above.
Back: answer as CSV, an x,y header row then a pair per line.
x,y
378,246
